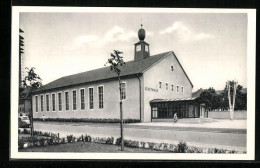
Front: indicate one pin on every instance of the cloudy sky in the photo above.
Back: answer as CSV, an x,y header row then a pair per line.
x,y
212,48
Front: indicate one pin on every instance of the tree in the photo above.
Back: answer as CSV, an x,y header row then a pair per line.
x,y
241,98
115,61
31,82
210,98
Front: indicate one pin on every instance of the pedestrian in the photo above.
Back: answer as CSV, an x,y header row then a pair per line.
x,y
43,117
175,117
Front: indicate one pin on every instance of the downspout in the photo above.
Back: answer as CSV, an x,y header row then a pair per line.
x,y
140,97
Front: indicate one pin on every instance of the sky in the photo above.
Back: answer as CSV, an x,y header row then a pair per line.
x,y
211,47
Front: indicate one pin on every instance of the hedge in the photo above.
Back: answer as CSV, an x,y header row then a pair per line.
x,y
88,120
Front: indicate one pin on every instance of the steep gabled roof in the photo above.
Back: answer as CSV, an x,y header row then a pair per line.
x,y
130,68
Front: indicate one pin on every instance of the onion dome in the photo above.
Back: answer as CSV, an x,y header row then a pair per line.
x,y
141,33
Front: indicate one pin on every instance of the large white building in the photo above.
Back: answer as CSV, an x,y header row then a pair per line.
x,y
154,88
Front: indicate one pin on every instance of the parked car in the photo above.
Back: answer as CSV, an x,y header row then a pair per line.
x,y
24,121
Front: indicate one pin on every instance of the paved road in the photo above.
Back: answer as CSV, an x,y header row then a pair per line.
x,y
222,137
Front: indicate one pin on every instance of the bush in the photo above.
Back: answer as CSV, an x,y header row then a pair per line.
x,y
87,138
131,144
182,147
26,131
110,140
71,138
63,141
193,149
151,145
20,144
43,142
46,134
118,141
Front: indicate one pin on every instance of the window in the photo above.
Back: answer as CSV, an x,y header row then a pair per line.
x,y
172,69
182,90
60,101
41,102
74,99
138,48
53,102
155,112
172,87
47,103
91,103
177,88
67,100
100,97
82,99
166,86
146,48
160,85
36,103
123,91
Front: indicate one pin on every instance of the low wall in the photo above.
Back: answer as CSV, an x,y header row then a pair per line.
x,y
225,114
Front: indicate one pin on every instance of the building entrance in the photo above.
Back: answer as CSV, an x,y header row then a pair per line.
x,y
184,108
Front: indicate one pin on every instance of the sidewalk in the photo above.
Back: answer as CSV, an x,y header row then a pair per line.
x,y
221,123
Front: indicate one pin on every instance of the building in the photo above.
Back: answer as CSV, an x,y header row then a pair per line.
x,y
24,102
154,88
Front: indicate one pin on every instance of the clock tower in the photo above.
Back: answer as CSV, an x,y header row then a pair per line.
x,y
142,49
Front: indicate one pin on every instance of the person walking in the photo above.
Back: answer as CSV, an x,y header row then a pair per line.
x,y
175,118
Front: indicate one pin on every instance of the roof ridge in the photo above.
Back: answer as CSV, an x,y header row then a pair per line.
x,y
130,68
107,66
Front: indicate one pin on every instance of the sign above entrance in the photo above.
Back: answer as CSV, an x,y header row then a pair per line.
x,y
151,89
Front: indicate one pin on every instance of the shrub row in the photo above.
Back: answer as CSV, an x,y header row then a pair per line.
x,y
37,133
36,141
24,131
181,147
89,120
53,139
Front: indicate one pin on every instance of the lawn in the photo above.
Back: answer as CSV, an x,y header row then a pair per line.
x,y
88,147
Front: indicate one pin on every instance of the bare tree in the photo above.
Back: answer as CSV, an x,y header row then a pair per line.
x,y
232,87
115,61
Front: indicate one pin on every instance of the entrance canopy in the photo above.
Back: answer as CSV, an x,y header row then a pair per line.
x,y
183,107
172,100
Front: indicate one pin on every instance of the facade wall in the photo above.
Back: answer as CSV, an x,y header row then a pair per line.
x,y
226,114
111,107
161,72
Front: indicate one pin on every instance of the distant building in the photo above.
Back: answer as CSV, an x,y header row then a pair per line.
x,y
154,88
24,103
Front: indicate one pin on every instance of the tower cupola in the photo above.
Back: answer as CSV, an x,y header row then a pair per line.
x,y
141,33
142,49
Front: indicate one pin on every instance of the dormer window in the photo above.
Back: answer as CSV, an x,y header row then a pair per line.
x,y
172,69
